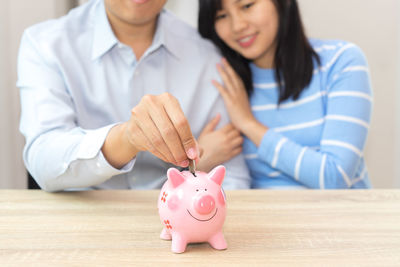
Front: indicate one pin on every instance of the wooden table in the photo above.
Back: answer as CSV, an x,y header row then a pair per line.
x,y
263,228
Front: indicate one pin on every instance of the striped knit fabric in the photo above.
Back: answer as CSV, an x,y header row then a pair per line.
x,y
318,140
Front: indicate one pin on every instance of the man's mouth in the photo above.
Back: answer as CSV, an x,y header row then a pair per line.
x,y
139,1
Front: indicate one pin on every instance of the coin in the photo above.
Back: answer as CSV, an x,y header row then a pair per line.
x,y
192,167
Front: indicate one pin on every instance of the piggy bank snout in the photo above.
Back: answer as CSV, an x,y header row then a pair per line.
x,y
204,204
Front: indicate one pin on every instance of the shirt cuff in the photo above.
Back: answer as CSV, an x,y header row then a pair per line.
x,y
90,148
92,142
107,170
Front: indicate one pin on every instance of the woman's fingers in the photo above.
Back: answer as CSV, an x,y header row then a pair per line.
x,y
234,134
230,130
234,78
221,89
234,137
229,86
237,151
201,152
238,141
212,124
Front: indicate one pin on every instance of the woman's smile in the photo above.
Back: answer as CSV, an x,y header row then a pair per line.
x,y
247,41
250,28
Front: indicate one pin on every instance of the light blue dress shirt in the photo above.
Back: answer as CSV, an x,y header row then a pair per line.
x,y
77,81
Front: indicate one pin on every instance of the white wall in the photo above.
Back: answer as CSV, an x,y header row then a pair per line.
x,y
397,109
186,10
11,167
7,154
15,16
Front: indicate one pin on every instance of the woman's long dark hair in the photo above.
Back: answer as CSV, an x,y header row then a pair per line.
x,y
294,55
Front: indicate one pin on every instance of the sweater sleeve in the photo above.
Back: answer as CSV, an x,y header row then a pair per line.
x,y
345,128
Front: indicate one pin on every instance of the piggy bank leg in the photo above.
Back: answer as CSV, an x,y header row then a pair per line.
x,y
165,234
217,241
178,243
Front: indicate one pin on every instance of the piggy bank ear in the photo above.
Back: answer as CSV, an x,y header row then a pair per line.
x,y
217,174
175,176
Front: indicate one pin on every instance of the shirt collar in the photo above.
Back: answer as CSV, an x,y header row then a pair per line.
x,y
163,36
104,38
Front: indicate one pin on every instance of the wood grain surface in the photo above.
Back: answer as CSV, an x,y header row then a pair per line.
x,y
262,228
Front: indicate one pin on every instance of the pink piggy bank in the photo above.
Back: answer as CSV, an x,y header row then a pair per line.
x,y
192,208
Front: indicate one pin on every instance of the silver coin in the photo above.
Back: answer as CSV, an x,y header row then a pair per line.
x,y
192,167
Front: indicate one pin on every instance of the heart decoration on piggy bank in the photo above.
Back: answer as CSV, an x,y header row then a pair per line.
x,y
193,208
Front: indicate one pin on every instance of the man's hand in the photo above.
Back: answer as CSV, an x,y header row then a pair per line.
x,y
157,125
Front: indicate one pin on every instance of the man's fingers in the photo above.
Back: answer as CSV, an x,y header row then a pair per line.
x,y
156,153
182,126
165,126
138,138
162,120
155,142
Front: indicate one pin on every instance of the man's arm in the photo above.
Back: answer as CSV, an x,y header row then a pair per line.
x,y
58,153
61,155
157,125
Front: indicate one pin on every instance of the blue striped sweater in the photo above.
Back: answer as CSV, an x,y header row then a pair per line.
x,y
318,140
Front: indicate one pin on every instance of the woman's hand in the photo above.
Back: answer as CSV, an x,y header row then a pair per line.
x,y
235,96
219,145
237,103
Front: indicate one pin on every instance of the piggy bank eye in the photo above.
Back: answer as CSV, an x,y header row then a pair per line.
x,y
197,190
205,189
